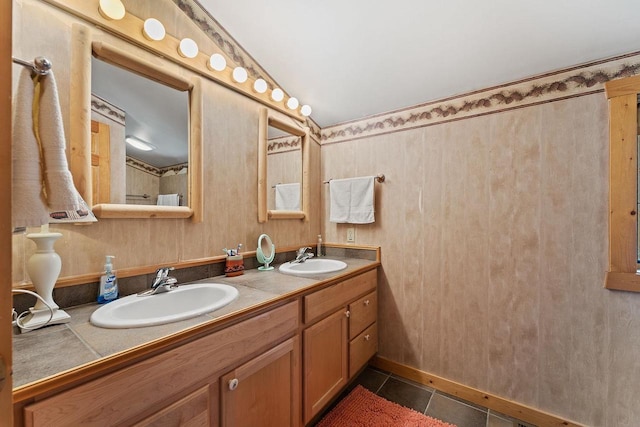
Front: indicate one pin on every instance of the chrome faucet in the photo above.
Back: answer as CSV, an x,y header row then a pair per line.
x,y
162,282
302,255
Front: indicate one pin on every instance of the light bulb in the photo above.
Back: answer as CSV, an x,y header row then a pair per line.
x,y
292,103
153,29
188,48
217,62
240,75
260,86
111,9
305,110
277,94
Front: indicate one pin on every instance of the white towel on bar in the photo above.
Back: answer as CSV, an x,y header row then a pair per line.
x,y
352,200
28,205
61,192
168,200
288,197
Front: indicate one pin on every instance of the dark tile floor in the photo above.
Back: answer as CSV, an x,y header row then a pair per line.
x,y
431,402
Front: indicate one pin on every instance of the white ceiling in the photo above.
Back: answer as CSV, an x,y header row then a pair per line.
x,y
352,58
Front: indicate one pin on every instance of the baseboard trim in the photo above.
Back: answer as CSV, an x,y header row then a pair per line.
x,y
488,400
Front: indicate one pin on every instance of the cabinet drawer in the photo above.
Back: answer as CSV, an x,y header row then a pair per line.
x,y
193,410
362,348
329,299
363,312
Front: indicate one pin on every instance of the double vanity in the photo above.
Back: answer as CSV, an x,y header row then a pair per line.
x,y
277,354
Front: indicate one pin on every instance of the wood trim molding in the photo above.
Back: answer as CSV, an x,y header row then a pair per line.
x,y
623,184
488,400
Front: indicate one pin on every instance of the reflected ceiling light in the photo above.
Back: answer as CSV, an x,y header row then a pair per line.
x,y
260,86
188,48
292,103
217,62
153,29
240,75
138,143
305,110
111,9
277,94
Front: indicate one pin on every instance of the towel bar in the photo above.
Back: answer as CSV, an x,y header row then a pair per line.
x,y
379,178
40,64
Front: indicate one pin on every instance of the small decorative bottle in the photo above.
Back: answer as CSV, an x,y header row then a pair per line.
x,y
319,248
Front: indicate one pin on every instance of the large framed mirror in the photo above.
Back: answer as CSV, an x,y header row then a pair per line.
x,y
623,95
283,165
113,172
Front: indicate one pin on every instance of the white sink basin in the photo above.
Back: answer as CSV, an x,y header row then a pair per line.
x,y
313,266
181,303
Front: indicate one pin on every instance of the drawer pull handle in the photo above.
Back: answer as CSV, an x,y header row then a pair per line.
x,y
233,384
366,302
347,313
367,337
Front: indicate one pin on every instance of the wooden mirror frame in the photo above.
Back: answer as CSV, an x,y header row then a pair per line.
x,y
271,119
623,181
80,137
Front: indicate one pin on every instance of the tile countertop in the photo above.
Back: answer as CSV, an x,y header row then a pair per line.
x,y
55,349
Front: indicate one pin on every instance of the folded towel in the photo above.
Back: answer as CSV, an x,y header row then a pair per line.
x,y
28,203
61,192
168,200
352,200
288,197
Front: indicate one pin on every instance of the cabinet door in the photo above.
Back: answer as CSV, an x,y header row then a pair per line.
x,y
193,410
325,361
265,390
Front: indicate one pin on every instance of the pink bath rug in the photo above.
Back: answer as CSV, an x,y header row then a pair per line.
x,y
362,408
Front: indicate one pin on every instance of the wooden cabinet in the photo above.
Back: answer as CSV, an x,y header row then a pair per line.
x,y
341,336
264,391
178,385
325,362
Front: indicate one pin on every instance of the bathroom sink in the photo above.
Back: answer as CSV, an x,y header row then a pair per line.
x,y
181,303
313,266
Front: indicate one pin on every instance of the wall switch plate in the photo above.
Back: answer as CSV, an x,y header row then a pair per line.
x,y
351,235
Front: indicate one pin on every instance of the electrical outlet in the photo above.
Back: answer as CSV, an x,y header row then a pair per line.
x,y
351,235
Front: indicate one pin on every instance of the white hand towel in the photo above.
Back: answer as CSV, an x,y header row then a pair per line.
x,y
340,195
352,200
288,197
168,200
28,205
61,192
361,206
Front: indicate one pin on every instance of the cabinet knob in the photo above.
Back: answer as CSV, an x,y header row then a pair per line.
x,y
367,337
233,384
366,302
347,313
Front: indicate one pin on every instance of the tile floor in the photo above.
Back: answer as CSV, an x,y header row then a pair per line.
x,y
431,402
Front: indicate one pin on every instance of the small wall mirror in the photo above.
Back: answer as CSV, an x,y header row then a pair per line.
x,y
156,173
283,191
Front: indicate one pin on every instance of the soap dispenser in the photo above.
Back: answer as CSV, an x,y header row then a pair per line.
x,y
108,283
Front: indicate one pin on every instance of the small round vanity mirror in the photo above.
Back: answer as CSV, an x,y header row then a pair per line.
x,y
265,252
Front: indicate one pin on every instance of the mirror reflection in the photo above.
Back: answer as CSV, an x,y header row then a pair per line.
x,y
284,170
139,142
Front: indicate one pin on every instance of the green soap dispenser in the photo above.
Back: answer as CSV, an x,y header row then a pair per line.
x,y
108,283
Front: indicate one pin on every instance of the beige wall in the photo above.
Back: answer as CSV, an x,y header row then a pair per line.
x,y
494,250
230,135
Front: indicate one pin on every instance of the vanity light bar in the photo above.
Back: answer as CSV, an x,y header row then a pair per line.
x,y
153,30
